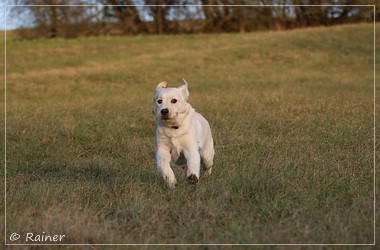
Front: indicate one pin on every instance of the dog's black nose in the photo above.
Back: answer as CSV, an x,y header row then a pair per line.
x,y
164,111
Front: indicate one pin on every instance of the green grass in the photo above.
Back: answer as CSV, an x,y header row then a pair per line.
x,y
292,119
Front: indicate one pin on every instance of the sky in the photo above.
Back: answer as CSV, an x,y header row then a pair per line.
x,y
2,16
11,24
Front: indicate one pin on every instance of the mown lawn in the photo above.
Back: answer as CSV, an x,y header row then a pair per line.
x,y
292,119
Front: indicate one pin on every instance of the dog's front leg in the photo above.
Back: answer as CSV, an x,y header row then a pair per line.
x,y
193,162
163,165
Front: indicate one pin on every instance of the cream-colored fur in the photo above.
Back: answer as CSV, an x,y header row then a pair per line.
x,y
183,136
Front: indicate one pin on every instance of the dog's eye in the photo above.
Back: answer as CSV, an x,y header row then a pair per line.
x,y
174,101
159,101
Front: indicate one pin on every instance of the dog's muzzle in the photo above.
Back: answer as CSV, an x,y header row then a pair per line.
x,y
165,114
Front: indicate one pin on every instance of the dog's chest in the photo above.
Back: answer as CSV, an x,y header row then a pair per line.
x,y
176,146
176,151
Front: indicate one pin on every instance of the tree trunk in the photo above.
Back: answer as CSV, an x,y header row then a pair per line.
x,y
53,21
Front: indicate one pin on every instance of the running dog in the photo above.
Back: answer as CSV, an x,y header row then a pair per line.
x,y
183,136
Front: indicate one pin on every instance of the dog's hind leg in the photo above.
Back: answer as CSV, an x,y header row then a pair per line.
x,y
207,164
184,171
207,156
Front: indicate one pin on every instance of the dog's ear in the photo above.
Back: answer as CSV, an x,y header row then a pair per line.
x,y
162,85
184,90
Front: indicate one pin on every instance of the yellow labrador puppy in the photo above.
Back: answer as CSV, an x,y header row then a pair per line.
x,y
183,136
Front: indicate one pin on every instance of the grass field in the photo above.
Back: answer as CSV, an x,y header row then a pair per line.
x,y
292,119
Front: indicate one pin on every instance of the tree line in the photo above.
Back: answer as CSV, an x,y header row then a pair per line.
x,y
50,18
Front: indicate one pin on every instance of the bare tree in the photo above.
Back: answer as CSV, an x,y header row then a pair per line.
x,y
51,19
126,15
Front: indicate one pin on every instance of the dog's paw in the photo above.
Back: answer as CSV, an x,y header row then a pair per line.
x,y
192,179
208,171
172,182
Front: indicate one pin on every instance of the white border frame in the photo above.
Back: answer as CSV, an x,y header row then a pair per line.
x,y
253,244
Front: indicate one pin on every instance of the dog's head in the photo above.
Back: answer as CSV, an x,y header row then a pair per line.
x,y
170,103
